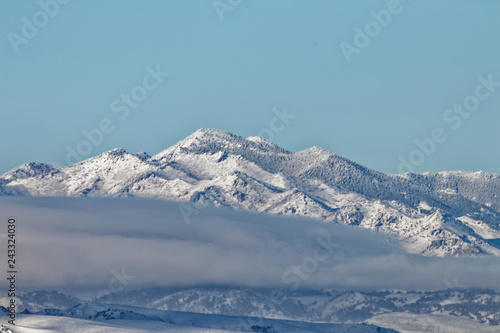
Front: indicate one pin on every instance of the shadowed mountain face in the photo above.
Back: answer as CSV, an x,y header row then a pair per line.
x,y
455,213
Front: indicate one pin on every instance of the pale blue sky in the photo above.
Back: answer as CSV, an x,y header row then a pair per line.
x,y
230,75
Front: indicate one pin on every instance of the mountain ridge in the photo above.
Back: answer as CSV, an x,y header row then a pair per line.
x,y
448,213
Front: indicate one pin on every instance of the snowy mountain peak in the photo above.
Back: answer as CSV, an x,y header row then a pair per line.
x,y
117,152
30,169
212,141
203,139
256,139
207,136
315,154
318,150
265,145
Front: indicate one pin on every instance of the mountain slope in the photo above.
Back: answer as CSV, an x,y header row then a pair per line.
x,y
140,317
482,305
455,213
477,308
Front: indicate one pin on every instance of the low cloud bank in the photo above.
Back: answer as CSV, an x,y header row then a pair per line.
x,y
87,244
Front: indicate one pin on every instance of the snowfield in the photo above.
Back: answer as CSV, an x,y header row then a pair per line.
x,y
429,323
47,324
118,318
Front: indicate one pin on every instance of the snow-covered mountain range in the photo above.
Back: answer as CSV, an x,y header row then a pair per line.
x,y
450,310
455,213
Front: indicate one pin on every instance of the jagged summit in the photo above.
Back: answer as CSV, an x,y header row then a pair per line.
x,y
316,150
207,140
227,170
28,170
257,139
206,135
117,152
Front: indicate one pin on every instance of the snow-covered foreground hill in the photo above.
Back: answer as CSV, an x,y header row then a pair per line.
x,y
454,213
430,323
117,318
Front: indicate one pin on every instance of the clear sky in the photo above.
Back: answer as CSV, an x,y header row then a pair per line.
x,y
359,83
